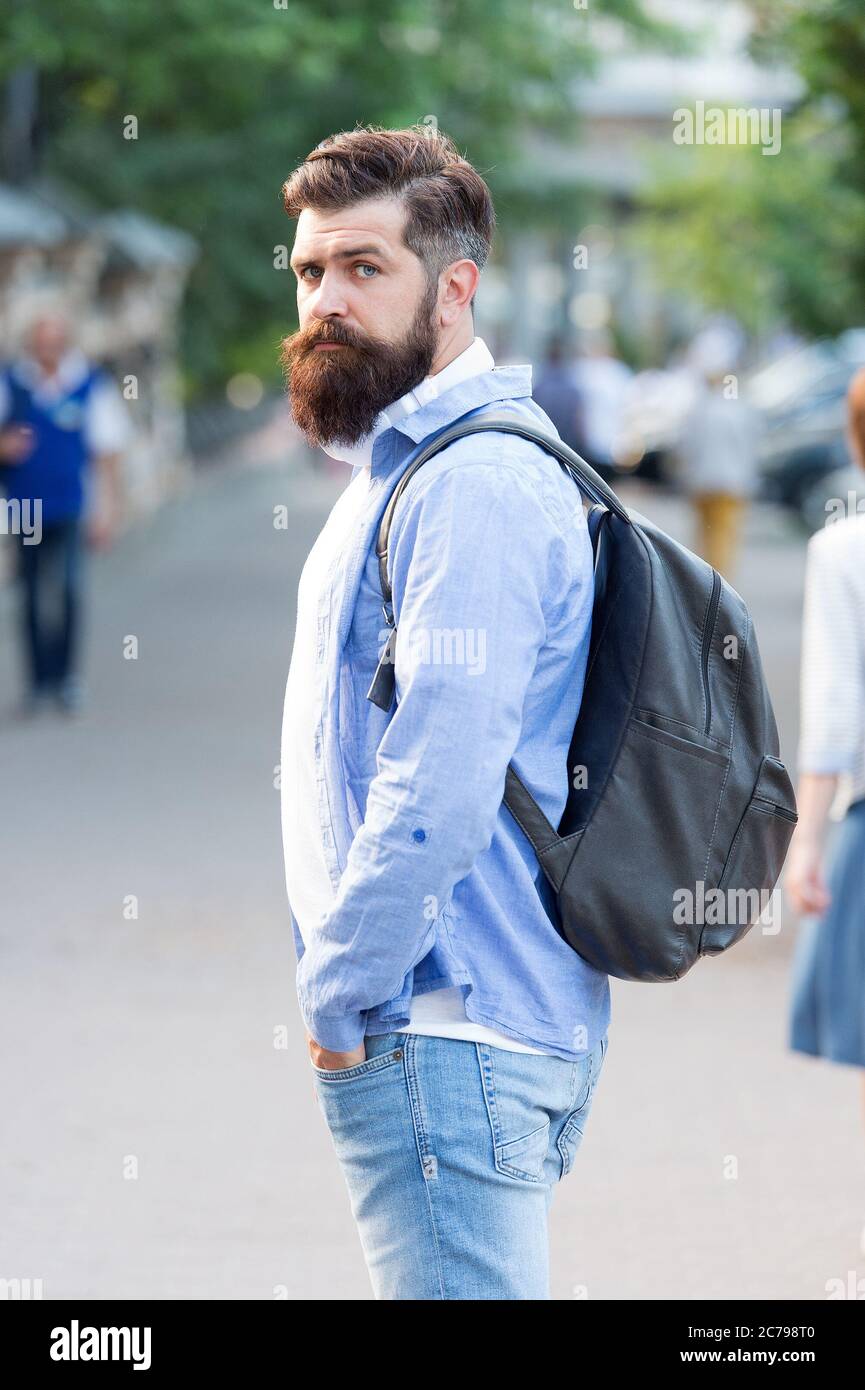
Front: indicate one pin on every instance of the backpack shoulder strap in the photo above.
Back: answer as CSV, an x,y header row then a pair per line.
x,y
554,853
590,483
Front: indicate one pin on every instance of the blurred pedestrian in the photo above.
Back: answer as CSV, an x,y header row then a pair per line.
x,y
59,414
717,458
604,384
828,995
556,392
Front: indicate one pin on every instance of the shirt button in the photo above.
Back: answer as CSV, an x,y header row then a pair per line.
x,y
419,835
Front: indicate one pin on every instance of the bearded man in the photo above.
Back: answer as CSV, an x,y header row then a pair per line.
x,y
455,1038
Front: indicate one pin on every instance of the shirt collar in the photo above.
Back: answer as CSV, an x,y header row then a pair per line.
x,y
498,384
419,411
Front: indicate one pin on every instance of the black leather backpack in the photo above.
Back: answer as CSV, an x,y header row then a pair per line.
x,y
679,812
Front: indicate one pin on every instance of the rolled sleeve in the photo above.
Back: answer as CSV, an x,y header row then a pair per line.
x,y
470,559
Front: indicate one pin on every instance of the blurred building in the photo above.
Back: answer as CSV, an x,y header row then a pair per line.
x,y
581,277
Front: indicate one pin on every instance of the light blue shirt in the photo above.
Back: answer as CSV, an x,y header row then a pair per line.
x,y
435,884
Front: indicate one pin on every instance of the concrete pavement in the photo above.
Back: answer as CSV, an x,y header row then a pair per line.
x,y
157,1142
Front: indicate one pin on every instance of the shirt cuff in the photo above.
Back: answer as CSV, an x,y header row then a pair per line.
x,y
336,1034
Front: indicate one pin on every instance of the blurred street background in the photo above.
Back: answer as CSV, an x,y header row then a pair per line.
x,y
160,1132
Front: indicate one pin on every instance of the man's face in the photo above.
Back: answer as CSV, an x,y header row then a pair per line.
x,y
368,331
47,341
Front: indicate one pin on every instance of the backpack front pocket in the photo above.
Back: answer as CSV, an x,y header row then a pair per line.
x,y
633,867
754,862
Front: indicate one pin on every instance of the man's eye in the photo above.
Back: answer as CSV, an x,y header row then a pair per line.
x,y
306,268
365,266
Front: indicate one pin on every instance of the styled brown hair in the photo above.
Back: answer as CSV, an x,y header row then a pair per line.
x,y
449,208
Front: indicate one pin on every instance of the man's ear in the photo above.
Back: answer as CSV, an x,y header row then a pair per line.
x,y
457,286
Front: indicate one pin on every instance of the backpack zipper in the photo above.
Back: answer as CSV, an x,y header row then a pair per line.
x,y
706,643
777,809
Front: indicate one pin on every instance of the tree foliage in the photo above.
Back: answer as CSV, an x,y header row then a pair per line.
x,y
229,95
778,236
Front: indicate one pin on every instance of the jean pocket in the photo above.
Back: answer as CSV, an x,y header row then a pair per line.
x,y
524,1158
383,1050
519,1092
571,1134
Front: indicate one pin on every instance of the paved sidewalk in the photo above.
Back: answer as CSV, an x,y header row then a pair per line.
x,y
158,1144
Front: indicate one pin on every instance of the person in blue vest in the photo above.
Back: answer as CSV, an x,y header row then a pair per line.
x,y
63,429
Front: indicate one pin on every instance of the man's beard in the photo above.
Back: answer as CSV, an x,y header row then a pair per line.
x,y
337,393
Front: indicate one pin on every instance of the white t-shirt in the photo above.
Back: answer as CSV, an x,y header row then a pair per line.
x,y
440,1012
310,892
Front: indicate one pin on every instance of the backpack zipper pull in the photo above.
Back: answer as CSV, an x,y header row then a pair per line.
x,y
383,685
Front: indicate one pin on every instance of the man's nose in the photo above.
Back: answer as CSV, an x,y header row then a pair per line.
x,y
328,301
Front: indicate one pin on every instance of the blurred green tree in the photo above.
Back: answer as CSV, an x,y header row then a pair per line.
x,y
780,237
229,95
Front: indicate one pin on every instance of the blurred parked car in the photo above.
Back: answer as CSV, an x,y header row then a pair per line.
x,y
804,460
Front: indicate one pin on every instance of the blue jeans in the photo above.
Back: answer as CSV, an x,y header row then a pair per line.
x,y
451,1150
50,577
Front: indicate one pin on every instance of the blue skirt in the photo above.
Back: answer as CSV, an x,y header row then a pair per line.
x,y
827,1015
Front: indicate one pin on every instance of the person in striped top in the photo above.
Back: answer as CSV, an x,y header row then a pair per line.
x,y
827,1016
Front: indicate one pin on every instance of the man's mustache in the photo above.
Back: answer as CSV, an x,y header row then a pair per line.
x,y
306,341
